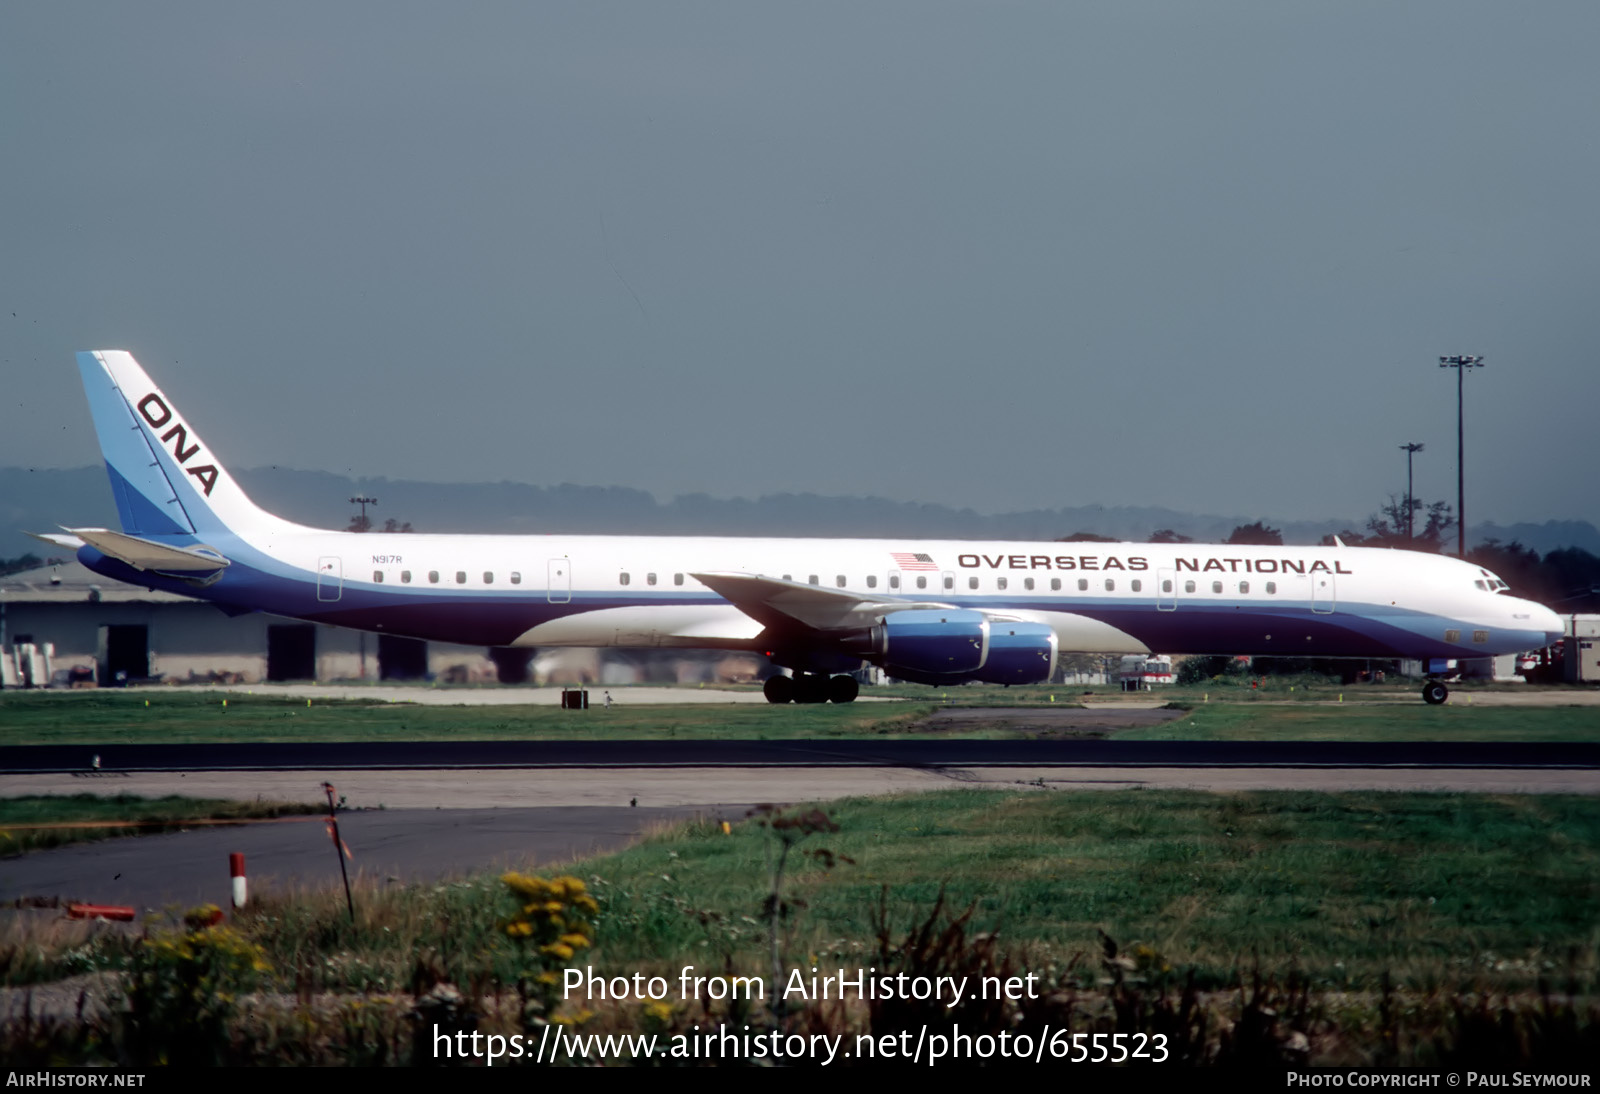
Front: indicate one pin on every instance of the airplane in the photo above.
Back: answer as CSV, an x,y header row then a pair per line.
x,y
933,612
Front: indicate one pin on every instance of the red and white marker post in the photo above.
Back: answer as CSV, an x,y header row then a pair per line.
x,y
241,889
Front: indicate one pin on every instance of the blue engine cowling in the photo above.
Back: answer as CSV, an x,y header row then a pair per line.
x,y
1019,653
933,643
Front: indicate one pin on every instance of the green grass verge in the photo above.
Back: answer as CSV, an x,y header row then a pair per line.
x,y
185,717
1453,891
1427,888
108,717
147,816
1220,721
1387,923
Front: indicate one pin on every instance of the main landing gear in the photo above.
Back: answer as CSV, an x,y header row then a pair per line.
x,y
1434,693
811,687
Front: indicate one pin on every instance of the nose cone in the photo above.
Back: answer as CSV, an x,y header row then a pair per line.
x,y
1541,618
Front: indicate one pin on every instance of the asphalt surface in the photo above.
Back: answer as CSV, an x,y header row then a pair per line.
x,y
386,847
435,755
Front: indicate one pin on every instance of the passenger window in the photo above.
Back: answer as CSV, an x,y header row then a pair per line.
x,y
677,579
999,583
872,581
377,575
1272,587
488,577
972,582
1166,585
461,577
949,581
894,581
405,577
1137,585
649,579
1244,586
786,577
1452,636
1188,586
623,578
433,577
516,577
839,581
813,579
1055,584
1480,636
1027,583
922,582
1216,586
1083,584
1111,585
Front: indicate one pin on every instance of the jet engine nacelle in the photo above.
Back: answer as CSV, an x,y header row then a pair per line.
x,y
933,642
1019,653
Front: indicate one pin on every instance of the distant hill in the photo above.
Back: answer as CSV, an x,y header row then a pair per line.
x,y
42,500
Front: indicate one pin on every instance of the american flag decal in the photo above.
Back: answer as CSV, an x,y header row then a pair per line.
x,y
908,561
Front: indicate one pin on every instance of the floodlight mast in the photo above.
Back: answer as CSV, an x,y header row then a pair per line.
x,y
1461,362
1410,449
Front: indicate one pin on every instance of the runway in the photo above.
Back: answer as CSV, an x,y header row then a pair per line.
x,y
912,753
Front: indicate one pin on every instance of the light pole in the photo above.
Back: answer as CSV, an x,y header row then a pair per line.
x,y
1460,362
1410,450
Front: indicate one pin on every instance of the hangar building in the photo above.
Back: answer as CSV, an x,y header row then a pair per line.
x,y
78,620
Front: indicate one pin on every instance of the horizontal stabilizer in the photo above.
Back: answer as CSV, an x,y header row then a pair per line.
x,y
146,554
56,539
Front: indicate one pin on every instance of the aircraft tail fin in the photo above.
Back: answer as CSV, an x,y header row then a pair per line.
x,y
165,480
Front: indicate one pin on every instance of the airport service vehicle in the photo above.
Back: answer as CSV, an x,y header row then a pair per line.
x,y
934,612
1140,672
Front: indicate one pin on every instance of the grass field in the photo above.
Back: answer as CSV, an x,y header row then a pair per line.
x,y
25,821
104,717
1224,721
113,717
1390,912
1451,891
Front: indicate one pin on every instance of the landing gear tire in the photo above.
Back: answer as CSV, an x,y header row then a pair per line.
x,y
810,688
779,689
1434,693
843,689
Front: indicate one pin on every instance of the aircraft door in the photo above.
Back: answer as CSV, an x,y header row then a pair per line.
x,y
1166,591
330,578
1322,593
560,585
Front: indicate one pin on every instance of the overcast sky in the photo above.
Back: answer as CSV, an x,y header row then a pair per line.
x,y
1196,254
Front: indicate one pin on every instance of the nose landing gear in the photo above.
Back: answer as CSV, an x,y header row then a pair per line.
x,y
1434,693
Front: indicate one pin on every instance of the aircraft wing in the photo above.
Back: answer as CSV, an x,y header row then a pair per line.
x,y
781,605
147,554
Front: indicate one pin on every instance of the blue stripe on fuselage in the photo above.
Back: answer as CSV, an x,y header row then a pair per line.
x,y
495,617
